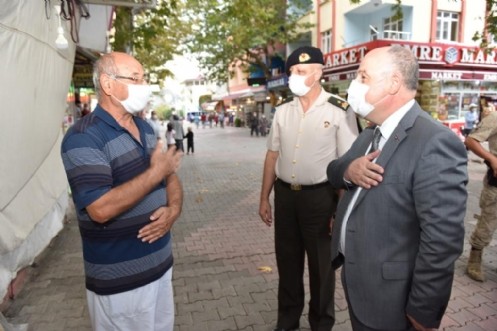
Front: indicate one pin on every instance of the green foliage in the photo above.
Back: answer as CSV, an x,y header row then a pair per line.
x,y
226,34
164,112
204,98
240,33
490,27
238,122
153,36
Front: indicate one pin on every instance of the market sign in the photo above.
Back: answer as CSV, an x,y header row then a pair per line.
x,y
456,75
437,54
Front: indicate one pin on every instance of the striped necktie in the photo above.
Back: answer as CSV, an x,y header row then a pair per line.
x,y
375,144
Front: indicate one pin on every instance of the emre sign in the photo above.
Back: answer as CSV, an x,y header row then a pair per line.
x,y
437,54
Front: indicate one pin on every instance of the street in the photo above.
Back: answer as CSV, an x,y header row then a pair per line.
x,y
225,275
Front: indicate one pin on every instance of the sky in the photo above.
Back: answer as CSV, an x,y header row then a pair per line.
x,y
183,67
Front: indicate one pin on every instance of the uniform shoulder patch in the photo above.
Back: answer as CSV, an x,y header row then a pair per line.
x,y
338,102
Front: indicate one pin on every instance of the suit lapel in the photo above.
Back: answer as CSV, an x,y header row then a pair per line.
x,y
398,135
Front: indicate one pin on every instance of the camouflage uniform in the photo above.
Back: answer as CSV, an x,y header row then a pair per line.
x,y
487,224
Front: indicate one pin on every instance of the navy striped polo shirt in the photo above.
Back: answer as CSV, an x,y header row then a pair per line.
x,y
98,155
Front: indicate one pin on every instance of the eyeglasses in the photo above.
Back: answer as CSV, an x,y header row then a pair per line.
x,y
135,80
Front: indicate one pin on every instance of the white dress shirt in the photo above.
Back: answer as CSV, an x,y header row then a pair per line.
x,y
308,141
386,130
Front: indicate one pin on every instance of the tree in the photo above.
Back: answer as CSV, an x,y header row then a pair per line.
x,y
153,36
242,33
164,112
490,26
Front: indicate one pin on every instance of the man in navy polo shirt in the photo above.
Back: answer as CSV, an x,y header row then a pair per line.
x,y
127,197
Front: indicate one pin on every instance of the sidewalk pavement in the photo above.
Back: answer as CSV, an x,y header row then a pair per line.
x,y
225,276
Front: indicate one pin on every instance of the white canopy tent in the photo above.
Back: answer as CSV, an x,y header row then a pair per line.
x,y
35,77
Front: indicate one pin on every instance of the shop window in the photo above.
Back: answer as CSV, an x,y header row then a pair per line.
x,y
453,102
447,26
467,99
326,42
457,103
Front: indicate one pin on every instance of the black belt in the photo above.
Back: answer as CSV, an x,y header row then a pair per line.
x,y
299,187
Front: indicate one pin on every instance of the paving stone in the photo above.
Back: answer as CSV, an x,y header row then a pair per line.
x,y
219,243
204,316
488,324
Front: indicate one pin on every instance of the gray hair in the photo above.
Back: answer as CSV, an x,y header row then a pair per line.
x,y
104,65
406,63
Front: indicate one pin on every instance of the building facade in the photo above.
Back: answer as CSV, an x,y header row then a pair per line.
x,y
454,71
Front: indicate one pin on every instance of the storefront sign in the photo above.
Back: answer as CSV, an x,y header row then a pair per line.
x,y
82,76
478,56
456,75
490,77
278,82
350,75
345,57
446,75
435,55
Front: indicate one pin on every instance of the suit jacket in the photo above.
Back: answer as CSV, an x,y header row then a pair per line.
x,y
404,235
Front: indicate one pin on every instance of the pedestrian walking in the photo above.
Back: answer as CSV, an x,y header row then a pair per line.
x,y
127,197
254,125
154,123
179,133
196,120
221,119
86,110
170,134
189,141
263,125
470,119
307,133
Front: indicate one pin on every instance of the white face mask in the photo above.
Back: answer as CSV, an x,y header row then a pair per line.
x,y
357,98
138,97
296,83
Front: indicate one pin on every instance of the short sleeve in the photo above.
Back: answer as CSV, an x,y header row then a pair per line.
x,y
486,128
273,140
87,167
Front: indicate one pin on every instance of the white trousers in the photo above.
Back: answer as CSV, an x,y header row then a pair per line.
x,y
147,308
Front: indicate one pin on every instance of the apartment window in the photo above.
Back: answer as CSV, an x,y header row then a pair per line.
x,y
447,26
393,29
326,42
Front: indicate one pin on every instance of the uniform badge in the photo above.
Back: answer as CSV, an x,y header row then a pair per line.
x,y
304,57
345,104
326,124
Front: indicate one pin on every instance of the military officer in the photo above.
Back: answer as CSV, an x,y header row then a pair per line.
x,y
308,132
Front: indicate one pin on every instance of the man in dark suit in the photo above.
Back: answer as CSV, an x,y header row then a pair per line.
x,y
399,227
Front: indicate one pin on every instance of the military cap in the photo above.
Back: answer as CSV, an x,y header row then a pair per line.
x,y
304,55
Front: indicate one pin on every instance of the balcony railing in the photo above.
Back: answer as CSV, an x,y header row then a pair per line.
x,y
391,34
